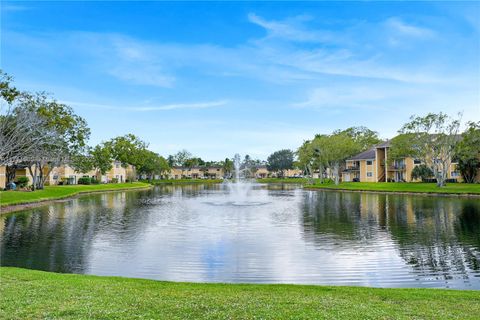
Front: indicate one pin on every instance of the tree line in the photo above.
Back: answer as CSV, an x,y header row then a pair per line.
x,y
39,133
436,140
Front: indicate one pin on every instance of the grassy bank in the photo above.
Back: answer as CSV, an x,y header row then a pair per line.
x,y
27,294
283,180
182,181
417,187
59,192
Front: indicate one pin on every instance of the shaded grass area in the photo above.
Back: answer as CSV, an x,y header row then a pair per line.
x,y
418,187
28,294
182,181
60,192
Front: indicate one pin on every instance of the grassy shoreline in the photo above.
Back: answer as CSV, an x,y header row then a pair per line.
x,y
12,198
37,294
283,180
182,181
403,187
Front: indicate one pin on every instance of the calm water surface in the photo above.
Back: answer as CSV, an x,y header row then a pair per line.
x,y
273,234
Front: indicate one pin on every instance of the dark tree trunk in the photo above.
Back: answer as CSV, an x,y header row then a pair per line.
x,y
10,173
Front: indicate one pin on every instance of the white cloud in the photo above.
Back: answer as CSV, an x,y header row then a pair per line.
x,y
346,97
201,105
291,29
402,28
13,7
175,106
142,75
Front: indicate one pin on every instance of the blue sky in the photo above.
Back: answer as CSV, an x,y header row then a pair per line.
x,y
220,78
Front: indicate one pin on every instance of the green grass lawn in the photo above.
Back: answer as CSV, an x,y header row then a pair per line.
x,y
283,180
183,181
59,192
28,294
452,188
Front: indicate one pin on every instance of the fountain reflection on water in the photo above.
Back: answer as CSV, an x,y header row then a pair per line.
x,y
239,190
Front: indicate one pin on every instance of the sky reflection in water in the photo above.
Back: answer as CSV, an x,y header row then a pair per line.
x,y
279,234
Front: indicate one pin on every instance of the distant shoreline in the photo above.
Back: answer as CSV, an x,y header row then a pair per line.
x,y
28,204
440,194
411,188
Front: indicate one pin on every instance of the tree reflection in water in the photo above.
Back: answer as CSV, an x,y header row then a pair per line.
x,y
437,236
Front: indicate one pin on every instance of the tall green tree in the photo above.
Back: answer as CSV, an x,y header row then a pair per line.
x,y
22,132
7,91
305,157
227,166
101,159
362,136
320,157
128,150
98,158
69,134
467,152
152,165
335,149
181,157
281,160
432,139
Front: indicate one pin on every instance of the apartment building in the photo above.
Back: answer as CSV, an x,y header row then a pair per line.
x,y
3,177
374,165
198,172
67,175
262,172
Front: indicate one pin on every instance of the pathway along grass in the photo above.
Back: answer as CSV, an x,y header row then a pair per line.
x,y
415,187
28,294
8,198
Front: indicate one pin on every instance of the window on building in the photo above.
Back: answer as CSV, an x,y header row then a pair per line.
x,y
417,161
454,174
369,174
369,163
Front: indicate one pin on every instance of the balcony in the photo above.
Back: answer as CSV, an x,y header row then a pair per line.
x,y
352,168
397,167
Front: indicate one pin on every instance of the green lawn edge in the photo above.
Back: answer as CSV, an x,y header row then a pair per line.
x,y
183,181
13,198
283,180
29,294
394,187
403,187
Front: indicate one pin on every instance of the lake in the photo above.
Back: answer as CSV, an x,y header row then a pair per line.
x,y
260,234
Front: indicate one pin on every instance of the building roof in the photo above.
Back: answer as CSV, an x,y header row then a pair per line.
x,y
365,155
384,144
197,167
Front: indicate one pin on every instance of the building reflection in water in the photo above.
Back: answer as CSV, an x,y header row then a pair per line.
x,y
438,237
297,236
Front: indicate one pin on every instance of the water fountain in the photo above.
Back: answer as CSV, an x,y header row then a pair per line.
x,y
239,189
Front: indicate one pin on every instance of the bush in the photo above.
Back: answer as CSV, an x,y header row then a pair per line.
x,y
422,172
114,180
22,182
94,181
84,180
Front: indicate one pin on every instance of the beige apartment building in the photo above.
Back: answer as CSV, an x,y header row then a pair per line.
x,y
67,175
3,177
212,172
262,172
373,165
